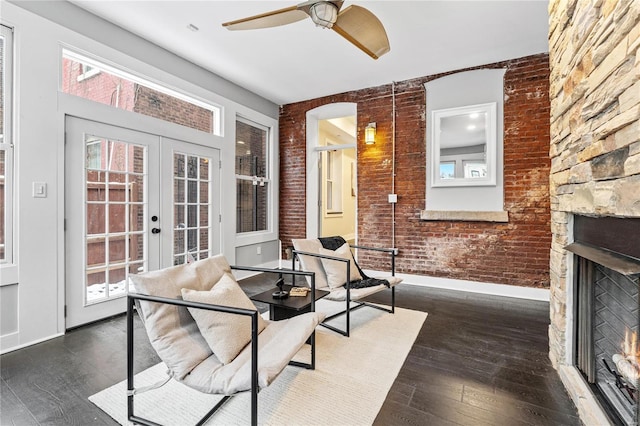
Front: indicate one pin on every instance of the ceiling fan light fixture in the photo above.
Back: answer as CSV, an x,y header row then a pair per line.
x,y
324,14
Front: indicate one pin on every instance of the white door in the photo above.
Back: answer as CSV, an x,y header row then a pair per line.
x,y
193,204
134,202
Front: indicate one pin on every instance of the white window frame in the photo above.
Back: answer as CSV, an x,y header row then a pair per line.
x,y
265,180
8,267
333,181
88,71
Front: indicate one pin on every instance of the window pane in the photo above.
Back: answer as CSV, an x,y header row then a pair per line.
x,y
2,83
252,203
106,85
115,213
2,205
251,150
447,170
191,209
6,148
251,206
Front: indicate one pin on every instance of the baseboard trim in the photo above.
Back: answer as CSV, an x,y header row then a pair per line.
x,y
24,345
506,290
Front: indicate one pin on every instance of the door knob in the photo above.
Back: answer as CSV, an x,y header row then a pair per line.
x,y
155,230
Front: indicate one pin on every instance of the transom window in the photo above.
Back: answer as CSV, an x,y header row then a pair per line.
x,y
89,79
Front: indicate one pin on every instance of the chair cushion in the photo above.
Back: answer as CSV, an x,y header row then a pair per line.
x,y
277,344
337,271
226,334
310,263
172,331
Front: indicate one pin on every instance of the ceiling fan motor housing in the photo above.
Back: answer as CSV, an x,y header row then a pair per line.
x,y
324,14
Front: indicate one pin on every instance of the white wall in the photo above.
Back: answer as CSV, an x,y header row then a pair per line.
x,y
39,114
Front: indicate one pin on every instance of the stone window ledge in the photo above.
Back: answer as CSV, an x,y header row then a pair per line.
x,y
470,216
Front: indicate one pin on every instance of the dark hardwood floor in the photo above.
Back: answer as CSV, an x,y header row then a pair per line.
x,y
478,360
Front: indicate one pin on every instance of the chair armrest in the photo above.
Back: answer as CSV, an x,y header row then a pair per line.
x,y
197,305
392,251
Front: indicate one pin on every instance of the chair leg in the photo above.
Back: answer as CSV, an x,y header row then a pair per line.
x,y
346,311
393,300
348,317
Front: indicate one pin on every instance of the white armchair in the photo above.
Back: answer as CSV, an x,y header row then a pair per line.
x,y
210,335
336,271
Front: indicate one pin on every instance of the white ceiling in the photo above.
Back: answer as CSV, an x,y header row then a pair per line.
x,y
299,61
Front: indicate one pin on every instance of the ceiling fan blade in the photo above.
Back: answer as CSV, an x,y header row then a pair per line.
x,y
274,18
363,29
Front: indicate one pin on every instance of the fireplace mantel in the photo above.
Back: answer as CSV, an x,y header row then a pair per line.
x,y
620,263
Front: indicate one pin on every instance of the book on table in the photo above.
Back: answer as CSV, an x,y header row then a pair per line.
x,y
299,291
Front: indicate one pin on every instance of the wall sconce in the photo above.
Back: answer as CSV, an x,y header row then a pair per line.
x,y
370,134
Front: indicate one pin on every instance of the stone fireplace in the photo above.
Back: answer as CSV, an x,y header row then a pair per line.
x,y
595,174
606,312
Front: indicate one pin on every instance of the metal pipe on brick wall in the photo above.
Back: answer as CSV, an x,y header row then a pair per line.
x,y
393,162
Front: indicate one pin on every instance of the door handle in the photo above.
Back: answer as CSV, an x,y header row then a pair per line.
x,y
155,230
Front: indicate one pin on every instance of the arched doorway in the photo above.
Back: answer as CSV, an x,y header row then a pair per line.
x,y
331,171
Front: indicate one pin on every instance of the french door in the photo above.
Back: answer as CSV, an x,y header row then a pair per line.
x,y
134,202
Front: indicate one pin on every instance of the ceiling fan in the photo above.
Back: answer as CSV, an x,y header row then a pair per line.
x,y
357,24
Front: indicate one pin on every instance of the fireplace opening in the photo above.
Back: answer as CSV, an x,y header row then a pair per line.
x,y
607,314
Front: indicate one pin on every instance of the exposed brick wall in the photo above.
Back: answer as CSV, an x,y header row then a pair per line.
x,y
515,253
166,107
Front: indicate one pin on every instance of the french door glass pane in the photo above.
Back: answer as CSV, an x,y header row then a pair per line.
x,y
192,207
115,210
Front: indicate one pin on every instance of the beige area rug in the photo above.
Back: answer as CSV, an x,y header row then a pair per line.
x,y
348,387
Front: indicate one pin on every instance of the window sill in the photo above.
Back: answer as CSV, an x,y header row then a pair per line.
x,y
466,216
8,274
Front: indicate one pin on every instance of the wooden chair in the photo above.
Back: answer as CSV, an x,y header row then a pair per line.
x,y
332,262
210,335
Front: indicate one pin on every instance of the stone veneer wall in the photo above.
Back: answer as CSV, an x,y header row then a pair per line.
x,y
595,134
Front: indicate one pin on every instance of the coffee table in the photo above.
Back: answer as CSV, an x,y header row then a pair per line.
x,y
280,309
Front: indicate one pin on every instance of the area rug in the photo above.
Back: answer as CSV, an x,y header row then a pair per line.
x,y
348,387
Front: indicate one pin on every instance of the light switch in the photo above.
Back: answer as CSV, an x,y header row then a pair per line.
x,y
39,190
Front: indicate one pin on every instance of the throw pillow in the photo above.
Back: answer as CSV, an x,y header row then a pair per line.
x,y
336,270
171,329
226,334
